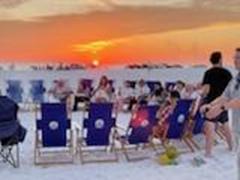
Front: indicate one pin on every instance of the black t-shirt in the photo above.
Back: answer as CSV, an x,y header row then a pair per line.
x,y
217,78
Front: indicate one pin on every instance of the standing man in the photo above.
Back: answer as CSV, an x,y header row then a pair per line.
x,y
214,83
230,99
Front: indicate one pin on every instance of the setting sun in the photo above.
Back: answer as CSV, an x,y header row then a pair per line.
x,y
95,63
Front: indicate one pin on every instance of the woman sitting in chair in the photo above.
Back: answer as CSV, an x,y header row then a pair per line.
x,y
126,97
163,115
82,95
103,93
60,92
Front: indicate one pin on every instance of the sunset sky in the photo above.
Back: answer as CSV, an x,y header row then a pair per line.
x,y
118,31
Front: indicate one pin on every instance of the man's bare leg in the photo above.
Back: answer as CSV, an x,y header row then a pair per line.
x,y
228,135
210,133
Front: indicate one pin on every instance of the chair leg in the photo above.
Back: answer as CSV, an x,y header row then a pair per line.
x,y
8,155
17,157
80,151
124,150
194,144
189,145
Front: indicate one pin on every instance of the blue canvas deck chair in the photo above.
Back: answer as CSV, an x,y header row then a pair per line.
x,y
11,132
14,90
87,83
177,124
153,85
96,141
37,91
136,141
169,86
152,110
132,83
54,135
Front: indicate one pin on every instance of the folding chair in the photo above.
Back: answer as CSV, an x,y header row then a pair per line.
x,y
177,124
11,132
169,86
54,136
153,109
152,85
132,83
98,134
15,90
87,83
137,137
37,91
198,126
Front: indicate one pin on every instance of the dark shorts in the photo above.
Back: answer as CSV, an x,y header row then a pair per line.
x,y
222,118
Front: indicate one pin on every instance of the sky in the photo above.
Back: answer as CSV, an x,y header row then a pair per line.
x,y
118,31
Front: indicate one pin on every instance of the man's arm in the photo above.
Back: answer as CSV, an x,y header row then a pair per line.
x,y
224,102
220,100
205,90
232,104
205,84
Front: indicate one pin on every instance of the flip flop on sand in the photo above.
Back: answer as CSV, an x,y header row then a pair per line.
x,y
198,161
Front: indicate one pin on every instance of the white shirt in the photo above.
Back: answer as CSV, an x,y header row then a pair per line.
x,y
127,92
140,91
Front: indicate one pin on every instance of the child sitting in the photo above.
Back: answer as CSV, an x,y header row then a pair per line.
x,y
163,115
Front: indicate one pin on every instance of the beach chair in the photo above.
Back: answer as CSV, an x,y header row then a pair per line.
x,y
152,110
132,83
152,85
37,91
87,83
169,86
177,124
96,141
197,129
14,90
11,132
54,135
136,141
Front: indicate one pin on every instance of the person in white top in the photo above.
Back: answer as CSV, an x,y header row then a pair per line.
x,y
180,88
190,92
103,93
60,91
142,90
126,91
125,97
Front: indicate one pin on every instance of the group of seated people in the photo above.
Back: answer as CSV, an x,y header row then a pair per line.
x,y
126,97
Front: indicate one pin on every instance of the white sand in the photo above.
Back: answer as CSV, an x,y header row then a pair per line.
x,y
221,167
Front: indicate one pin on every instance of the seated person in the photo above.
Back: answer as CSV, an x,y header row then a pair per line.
x,y
180,87
60,92
159,131
142,90
103,93
82,95
126,96
158,97
190,92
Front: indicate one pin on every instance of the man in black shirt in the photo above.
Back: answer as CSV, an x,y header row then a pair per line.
x,y
214,83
